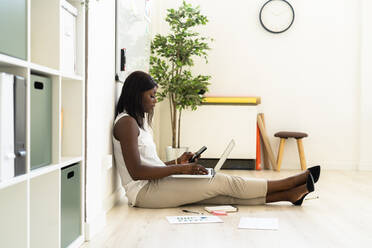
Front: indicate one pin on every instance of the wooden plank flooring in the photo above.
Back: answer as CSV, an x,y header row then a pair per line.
x,y
340,217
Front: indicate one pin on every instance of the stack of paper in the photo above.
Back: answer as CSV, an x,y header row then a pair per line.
x,y
225,208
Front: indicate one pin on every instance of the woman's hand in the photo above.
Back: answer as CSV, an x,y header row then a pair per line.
x,y
185,157
192,169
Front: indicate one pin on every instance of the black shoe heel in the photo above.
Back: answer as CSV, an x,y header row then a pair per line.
x,y
299,202
310,188
315,172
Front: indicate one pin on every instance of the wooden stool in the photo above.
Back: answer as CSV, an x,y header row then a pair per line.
x,y
285,135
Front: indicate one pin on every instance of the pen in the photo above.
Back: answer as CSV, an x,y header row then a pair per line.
x,y
312,198
188,211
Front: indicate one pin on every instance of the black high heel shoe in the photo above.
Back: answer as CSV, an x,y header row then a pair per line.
x,y
310,188
315,172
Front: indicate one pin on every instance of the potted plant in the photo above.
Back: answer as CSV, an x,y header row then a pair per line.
x,y
171,61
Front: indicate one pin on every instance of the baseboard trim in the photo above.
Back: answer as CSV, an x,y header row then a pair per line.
x,y
95,226
112,199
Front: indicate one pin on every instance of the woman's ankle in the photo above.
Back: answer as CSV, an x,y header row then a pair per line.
x,y
288,183
297,193
300,178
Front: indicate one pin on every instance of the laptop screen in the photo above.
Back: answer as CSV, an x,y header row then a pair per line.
x,y
224,155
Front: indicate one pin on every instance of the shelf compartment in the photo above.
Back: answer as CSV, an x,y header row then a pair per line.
x,y
45,210
50,115
45,33
41,121
70,204
13,215
13,27
14,125
72,113
80,36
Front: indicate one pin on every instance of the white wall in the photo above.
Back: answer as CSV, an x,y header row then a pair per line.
x,y
101,179
308,77
366,88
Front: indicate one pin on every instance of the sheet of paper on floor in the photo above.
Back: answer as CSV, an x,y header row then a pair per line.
x,y
259,223
193,219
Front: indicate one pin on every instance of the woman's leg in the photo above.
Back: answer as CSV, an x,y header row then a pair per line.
x,y
173,192
223,200
291,195
287,183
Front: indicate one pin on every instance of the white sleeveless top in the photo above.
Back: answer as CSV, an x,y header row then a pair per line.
x,y
148,156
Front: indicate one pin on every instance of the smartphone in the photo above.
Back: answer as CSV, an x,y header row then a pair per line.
x,y
197,154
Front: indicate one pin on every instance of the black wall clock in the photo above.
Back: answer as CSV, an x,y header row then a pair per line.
x,y
277,16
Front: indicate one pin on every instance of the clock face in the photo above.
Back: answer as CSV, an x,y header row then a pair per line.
x,y
276,16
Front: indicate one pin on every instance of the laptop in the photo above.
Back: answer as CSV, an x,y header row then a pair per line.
x,y
211,171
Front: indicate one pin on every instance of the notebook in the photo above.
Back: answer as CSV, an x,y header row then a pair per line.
x,y
211,171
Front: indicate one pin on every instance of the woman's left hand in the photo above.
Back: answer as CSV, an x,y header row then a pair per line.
x,y
185,157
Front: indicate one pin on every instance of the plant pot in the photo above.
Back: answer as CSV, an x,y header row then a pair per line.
x,y
174,153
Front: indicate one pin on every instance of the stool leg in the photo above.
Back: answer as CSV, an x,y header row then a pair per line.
x,y
280,154
301,153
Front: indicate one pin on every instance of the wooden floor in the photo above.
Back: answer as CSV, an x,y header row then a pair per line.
x,y
340,217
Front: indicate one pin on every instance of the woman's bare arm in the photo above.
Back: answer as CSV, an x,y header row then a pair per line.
x,y
126,131
183,159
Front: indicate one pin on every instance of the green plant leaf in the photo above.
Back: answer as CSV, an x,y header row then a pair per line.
x,y
172,57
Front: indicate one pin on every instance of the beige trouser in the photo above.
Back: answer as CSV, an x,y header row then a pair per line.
x,y
221,189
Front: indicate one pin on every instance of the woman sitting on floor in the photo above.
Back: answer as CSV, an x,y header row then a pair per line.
x,y
146,178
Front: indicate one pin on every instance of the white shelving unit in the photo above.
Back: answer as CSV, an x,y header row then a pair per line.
x,y
30,204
